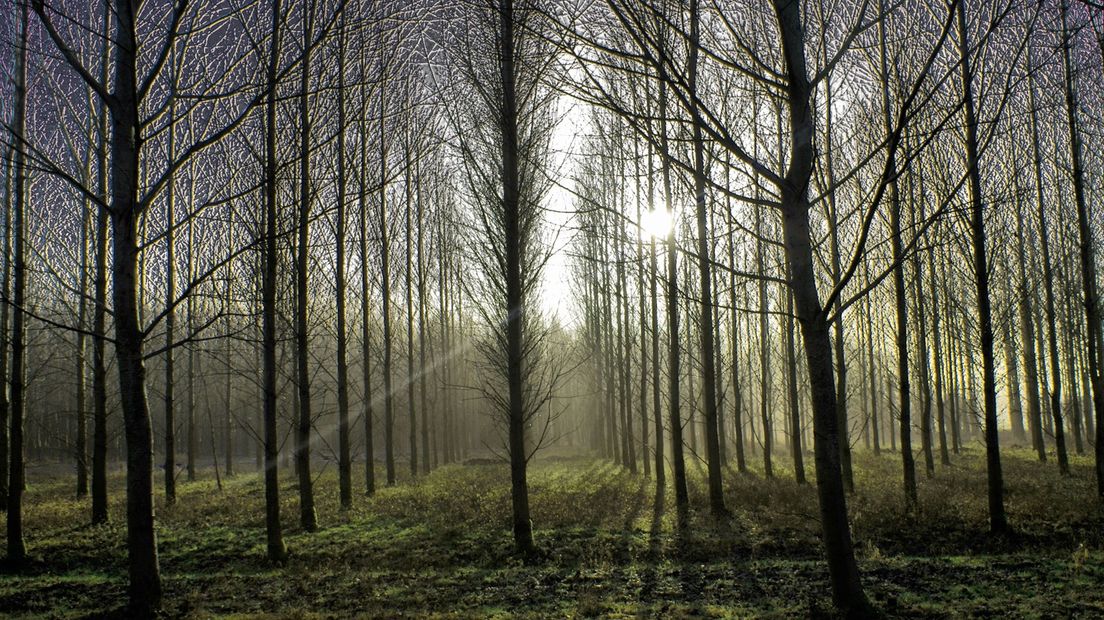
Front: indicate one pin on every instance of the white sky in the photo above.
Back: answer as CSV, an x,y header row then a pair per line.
x,y
557,298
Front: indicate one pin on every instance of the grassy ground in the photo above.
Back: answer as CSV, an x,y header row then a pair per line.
x,y
441,548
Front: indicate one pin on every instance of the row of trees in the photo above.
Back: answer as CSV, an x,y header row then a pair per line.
x,y
794,223
856,173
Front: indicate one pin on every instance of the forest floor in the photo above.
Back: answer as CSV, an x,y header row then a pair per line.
x,y
440,547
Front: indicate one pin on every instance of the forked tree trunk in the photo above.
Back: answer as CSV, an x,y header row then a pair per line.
x,y
847,591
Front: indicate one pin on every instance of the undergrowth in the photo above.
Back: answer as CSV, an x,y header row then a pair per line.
x,y
440,547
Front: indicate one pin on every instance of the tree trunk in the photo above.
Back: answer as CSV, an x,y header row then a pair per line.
x,y
170,325
847,591
17,550
99,309
344,462
307,517
515,301
5,334
277,552
678,461
365,324
904,404
705,273
997,520
1088,269
795,406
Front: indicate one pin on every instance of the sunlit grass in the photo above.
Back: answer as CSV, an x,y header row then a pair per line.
x,y
441,546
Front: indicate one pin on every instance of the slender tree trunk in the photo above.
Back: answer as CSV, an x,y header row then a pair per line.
x,y
344,460
997,520
170,325
81,448
940,413
408,317
17,550
5,335
277,552
678,461
423,370
705,273
365,317
228,366
515,300
99,309
904,405
922,355
734,351
385,294
1088,268
307,517
653,296
641,317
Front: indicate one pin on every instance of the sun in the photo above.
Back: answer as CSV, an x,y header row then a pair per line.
x,y
656,224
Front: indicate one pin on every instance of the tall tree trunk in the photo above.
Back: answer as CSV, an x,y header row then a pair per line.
x,y
922,349
385,291
940,414
344,461
99,309
408,318
170,324
764,355
17,550
277,552
423,370
1088,268
847,591
365,324
515,300
641,317
904,405
80,449
228,366
5,334
734,346
997,520
705,273
307,517
678,461
828,156
1034,411
653,296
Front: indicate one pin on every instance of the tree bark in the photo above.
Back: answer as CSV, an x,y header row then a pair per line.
x,y
17,550
515,300
307,517
1087,254
277,552
997,521
847,591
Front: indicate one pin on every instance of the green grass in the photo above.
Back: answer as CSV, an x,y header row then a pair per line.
x,y
440,547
